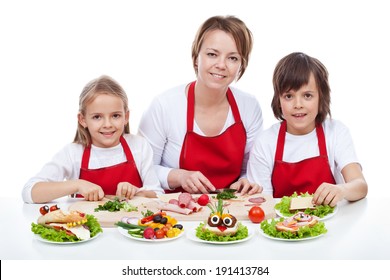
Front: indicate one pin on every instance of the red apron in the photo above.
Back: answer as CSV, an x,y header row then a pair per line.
x,y
109,177
220,157
303,176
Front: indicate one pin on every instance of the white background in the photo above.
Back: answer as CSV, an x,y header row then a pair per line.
x,y
50,49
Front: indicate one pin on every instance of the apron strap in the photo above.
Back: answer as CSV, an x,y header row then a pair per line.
x,y
87,153
282,137
321,140
191,106
280,143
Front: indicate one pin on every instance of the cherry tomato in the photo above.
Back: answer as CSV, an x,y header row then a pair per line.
x,y
159,234
44,209
256,214
54,208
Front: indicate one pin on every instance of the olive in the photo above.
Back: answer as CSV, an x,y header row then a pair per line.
x,y
164,220
157,219
179,226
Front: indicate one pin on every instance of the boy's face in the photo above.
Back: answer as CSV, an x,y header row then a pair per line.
x,y
105,119
300,108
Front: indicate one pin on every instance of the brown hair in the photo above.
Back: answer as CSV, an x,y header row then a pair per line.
x,y
231,25
102,85
291,73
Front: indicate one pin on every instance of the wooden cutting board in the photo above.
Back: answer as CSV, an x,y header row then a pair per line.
x,y
238,207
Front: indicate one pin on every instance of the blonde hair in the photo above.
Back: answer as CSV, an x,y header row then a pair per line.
x,y
231,25
102,85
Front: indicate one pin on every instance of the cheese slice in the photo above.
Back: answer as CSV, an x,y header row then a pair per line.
x,y
81,232
301,203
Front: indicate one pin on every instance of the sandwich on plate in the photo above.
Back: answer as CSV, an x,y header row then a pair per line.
x,y
221,226
66,226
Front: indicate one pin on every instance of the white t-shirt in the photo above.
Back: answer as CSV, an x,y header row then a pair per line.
x,y
164,125
339,145
66,164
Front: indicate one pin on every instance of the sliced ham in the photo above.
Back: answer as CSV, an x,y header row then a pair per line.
x,y
257,200
184,199
174,208
195,207
173,201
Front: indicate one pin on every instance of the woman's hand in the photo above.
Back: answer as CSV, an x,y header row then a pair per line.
x,y
328,194
126,189
243,186
90,191
193,181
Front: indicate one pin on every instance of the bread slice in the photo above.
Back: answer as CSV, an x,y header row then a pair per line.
x,y
301,203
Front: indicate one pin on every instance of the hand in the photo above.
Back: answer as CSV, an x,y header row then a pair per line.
x,y
328,194
195,182
90,191
126,189
244,186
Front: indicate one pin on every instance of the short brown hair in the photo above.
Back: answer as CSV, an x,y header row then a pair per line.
x,y
102,85
231,25
292,72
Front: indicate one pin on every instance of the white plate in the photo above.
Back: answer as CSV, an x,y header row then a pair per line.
x,y
124,232
277,211
285,239
38,237
192,236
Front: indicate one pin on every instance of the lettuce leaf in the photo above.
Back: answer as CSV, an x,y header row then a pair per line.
x,y
61,235
241,233
284,207
269,228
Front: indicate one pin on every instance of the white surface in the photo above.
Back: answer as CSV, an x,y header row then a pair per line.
x,y
360,230
191,235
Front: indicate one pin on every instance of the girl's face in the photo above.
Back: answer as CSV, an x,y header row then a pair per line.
x,y
300,108
105,119
218,61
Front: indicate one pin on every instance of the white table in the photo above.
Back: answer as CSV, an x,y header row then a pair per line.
x,y
359,230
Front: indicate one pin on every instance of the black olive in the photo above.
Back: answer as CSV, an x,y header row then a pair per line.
x,y
164,220
157,219
179,226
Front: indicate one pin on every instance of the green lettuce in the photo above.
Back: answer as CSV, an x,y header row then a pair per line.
x,y
269,228
61,235
206,234
284,207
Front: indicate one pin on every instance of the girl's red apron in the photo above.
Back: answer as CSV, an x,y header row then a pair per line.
x,y
303,176
109,177
220,157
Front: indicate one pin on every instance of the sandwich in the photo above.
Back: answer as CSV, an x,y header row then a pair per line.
x,y
301,203
292,224
65,226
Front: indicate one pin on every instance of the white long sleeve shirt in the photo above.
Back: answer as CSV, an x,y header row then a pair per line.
x,y
164,125
339,145
66,164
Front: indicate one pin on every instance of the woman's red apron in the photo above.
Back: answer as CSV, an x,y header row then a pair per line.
x,y
109,177
303,176
220,157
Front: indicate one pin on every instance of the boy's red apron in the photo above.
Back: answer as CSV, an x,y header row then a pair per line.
x,y
109,177
220,157
303,176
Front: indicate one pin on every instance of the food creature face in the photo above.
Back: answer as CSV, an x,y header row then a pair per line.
x,y
223,221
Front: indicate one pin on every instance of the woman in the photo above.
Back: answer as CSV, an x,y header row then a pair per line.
x,y
201,133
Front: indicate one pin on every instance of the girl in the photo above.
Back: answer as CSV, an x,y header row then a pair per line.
x,y
201,132
103,158
306,152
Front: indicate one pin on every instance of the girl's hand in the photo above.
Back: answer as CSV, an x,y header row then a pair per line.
x,y
90,191
328,194
243,186
126,189
195,182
